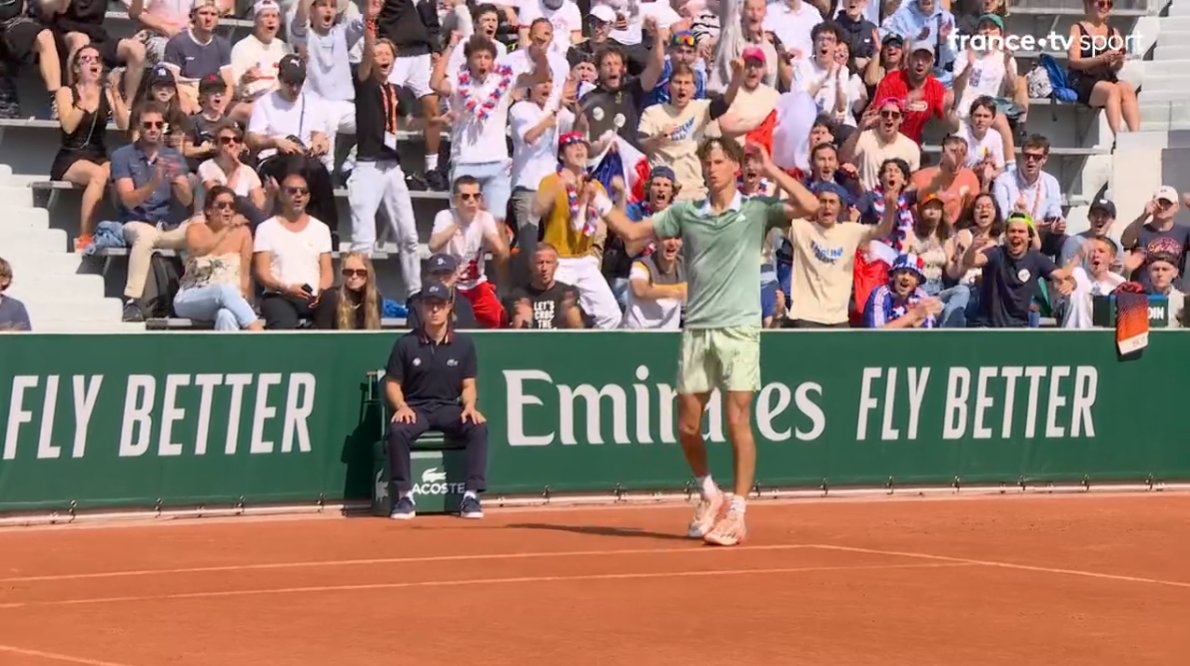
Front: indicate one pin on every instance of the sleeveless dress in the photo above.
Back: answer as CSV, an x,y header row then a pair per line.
x,y
1084,82
86,142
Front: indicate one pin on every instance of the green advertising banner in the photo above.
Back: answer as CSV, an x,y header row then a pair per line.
x,y
205,418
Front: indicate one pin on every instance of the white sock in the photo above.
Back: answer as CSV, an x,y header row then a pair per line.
x,y
431,162
738,505
470,494
706,486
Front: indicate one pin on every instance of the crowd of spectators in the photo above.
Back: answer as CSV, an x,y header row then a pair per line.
x,y
235,151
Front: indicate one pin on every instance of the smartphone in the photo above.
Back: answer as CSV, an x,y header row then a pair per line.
x,y
308,289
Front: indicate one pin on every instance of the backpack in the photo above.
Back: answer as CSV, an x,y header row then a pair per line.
x,y
163,283
1048,79
10,9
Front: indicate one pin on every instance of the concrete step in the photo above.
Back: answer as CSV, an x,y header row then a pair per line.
x,y
97,309
16,195
1174,24
1171,50
42,262
1177,9
20,240
16,214
50,287
1169,82
1181,67
1161,97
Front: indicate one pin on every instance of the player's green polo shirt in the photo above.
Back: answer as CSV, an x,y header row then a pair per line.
x,y
722,254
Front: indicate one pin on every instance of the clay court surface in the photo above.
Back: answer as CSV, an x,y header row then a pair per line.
x,y
1001,580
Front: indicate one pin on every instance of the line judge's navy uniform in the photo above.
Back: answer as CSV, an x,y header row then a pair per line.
x,y
431,376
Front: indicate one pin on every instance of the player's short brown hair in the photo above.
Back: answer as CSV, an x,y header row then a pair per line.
x,y
729,146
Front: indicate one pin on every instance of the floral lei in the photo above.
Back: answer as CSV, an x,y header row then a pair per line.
x,y
897,238
483,109
572,200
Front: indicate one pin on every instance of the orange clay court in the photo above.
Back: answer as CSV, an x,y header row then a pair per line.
x,y
1025,579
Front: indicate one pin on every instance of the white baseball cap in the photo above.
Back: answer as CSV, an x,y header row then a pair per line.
x,y
262,6
604,13
1166,192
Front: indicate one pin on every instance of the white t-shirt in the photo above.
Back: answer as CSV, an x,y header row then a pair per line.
x,y
793,28
295,255
987,78
275,116
807,73
457,59
467,245
564,19
990,144
246,179
250,52
659,9
1080,305
559,71
532,162
475,141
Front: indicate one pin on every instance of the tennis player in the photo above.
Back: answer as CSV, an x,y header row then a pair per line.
x,y
722,238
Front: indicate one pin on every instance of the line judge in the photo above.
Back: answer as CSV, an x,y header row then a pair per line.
x,y
430,384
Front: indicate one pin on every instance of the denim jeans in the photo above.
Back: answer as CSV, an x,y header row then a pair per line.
x,y
958,305
221,303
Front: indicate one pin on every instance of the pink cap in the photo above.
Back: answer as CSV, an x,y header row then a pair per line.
x,y
753,53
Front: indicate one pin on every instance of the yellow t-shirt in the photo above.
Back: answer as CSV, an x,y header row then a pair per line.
x,y
558,230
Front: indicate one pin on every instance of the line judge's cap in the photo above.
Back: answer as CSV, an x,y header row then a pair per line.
x,y
435,291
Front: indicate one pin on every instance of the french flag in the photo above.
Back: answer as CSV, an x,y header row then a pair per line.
x,y
622,159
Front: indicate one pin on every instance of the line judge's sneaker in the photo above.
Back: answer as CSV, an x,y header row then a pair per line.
x,y
729,531
470,508
403,509
706,514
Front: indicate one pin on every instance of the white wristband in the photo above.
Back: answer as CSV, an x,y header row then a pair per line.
x,y
602,204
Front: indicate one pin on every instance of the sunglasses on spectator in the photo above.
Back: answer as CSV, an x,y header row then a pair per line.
x,y
297,190
469,196
224,205
89,58
1034,156
1106,4
892,115
153,124
228,140
684,40
355,272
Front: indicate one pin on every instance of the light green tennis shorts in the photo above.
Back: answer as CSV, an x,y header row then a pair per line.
x,y
723,358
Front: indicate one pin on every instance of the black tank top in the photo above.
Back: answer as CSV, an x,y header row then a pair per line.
x,y
89,135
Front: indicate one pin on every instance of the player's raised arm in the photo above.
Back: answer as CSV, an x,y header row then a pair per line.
x,y
636,235
802,202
